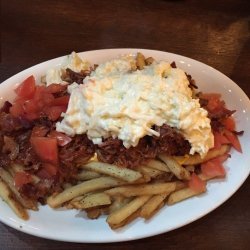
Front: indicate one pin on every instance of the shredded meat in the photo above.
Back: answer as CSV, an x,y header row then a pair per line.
x,y
10,124
27,156
79,150
6,107
169,142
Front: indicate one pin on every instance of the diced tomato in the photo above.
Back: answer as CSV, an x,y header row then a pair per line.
x,y
30,106
213,168
22,178
51,169
233,140
17,108
229,123
54,112
46,149
221,158
196,183
61,101
40,90
31,116
27,88
62,139
55,88
220,139
47,99
39,131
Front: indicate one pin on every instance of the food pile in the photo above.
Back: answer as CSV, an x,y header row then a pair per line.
x,y
122,138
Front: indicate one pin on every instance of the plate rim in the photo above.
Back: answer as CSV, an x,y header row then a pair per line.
x,y
147,234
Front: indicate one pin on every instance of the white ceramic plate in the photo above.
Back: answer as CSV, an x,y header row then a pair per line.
x,y
70,226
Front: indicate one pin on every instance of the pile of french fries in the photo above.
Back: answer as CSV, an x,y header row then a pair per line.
x,y
120,193
125,194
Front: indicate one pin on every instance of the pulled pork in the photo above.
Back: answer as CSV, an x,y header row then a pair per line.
x,y
170,142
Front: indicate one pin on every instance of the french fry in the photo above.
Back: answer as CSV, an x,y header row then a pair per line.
x,y
85,175
119,201
8,179
153,173
9,198
159,165
125,174
83,188
179,171
181,195
128,220
144,189
123,213
93,213
149,208
92,200
196,159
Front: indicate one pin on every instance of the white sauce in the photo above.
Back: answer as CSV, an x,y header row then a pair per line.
x,y
116,102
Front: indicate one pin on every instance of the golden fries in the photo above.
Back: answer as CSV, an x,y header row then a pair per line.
x,y
92,200
115,218
8,179
179,171
196,159
144,189
9,198
181,195
83,188
149,208
159,165
85,175
125,174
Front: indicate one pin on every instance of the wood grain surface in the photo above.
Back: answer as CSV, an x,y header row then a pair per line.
x,y
214,32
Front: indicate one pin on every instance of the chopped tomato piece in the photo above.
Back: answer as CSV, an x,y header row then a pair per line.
x,y
196,183
31,116
30,106
55,88
221,158
229,123
47,99
213,168
40,90
61,101
22,178
233,140
45,148
62,139
17,108
27,88
54,112
220,139
51,169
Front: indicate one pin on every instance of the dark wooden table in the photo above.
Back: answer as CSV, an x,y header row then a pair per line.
x,y
214,32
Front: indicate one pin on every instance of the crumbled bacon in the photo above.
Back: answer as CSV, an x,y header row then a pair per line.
x,y
72,76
